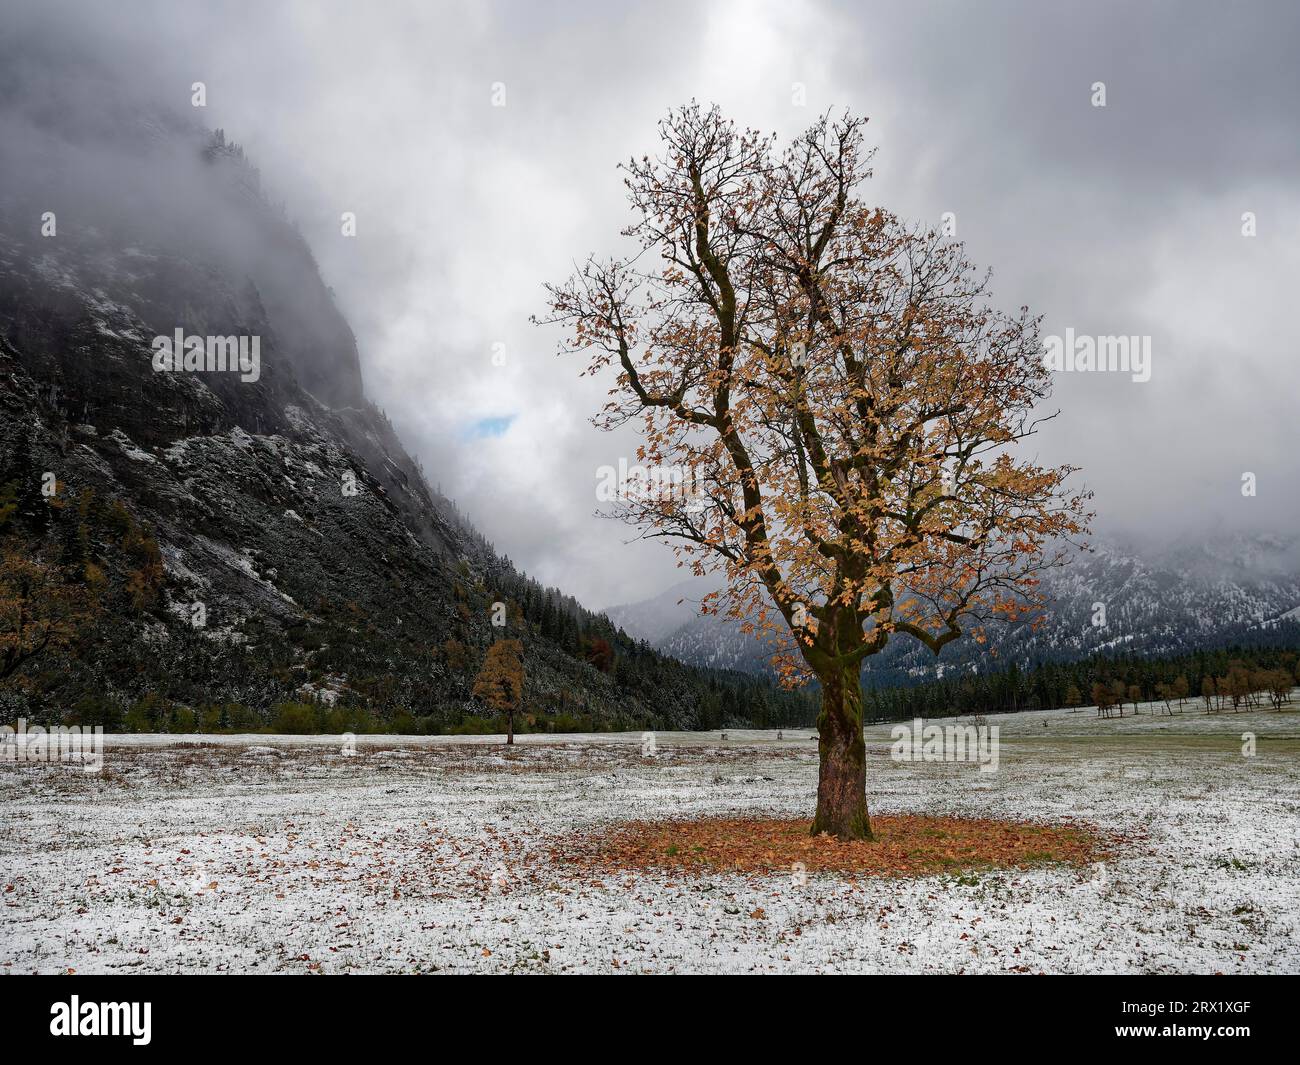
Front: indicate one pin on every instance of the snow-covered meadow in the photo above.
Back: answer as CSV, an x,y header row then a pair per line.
x,y
434,854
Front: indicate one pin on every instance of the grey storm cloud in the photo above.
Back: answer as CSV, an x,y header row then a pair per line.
x,y
1124,219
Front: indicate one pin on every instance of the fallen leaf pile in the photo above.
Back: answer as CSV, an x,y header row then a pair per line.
x,y
906,845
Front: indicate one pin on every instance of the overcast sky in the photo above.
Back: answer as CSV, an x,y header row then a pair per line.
x,y
1125,219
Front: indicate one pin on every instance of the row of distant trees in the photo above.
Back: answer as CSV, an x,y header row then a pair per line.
x,y
1209,678
1240,688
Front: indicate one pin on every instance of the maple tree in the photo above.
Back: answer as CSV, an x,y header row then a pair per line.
x,y
842,403
500,683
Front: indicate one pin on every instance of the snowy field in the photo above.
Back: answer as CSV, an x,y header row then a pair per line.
x,y
433,854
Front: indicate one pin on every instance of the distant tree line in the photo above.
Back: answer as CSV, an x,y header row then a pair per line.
x,y
1231,678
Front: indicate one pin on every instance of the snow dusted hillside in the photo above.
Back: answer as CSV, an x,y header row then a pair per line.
x,y
256,533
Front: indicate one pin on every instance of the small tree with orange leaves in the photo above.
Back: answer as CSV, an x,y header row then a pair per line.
x,y
39,610
839,398
500,683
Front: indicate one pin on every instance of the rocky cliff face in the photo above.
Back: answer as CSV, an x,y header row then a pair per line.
x,y
246,537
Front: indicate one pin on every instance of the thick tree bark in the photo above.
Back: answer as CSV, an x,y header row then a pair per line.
x,y
842,774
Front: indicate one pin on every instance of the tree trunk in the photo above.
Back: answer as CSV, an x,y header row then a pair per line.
x,y
510,728
842,773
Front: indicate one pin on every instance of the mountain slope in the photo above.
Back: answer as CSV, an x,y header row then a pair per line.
x,y
245,539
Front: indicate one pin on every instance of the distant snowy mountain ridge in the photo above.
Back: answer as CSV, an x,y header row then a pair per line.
x,y
1158,601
